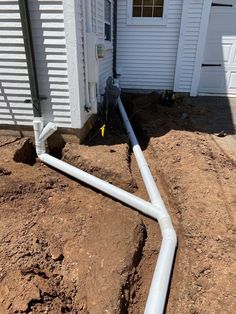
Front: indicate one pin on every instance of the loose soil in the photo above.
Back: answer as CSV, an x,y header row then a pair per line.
x,y
67,248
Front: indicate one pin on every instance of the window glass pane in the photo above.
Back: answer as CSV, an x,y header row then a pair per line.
x,y
158,12
147,12
159,2
107,32
148,2
137,12
107,11
148,8
137,2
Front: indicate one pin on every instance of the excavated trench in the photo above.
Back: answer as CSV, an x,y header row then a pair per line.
x,y
66,248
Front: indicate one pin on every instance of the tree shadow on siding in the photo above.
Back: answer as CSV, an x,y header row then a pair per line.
x,y
7,112
51,61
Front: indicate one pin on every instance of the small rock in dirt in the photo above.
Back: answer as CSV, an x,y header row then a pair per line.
x,y
219,238
42,210
4,172
222,134
56,254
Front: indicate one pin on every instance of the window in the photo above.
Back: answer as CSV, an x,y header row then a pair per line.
x,y
147,12
108,20
148,8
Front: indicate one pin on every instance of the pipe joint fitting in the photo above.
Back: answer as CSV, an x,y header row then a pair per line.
x,y
167,228
38,128
49,129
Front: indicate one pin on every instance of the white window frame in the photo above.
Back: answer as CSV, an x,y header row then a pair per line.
x,y
108,43
146,20
108,23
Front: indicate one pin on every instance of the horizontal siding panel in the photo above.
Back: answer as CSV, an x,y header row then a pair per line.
x,y
52,24
22,105
18,111
12,64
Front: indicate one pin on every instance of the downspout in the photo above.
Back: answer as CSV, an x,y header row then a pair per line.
x,y
115,40
92,82
87,100
160,282
30,57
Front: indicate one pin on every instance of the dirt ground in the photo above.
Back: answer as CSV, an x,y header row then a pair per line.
x,y
66,248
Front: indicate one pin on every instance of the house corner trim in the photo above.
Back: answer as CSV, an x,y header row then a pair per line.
x,y
200,47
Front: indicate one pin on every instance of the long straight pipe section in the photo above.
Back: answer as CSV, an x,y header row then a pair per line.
x,y
157,295
160,282
148,179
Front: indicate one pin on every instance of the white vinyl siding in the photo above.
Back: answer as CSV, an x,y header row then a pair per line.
x,y
51,63
56,48
104,65
14,84
146,55
191,22
47,20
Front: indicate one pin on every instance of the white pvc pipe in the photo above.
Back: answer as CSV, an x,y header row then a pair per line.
x,y
49,129
157,293
160,282
148,179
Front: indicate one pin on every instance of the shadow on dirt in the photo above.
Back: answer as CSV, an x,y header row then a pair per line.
x,y
26,153
150,117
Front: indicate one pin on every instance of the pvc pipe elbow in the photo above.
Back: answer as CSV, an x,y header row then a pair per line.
x,y
167,229
49,129
164,220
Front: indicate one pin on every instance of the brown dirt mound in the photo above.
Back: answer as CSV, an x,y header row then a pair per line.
x,y
94,160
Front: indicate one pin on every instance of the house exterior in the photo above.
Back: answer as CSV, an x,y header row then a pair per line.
x,y
183,45
64,56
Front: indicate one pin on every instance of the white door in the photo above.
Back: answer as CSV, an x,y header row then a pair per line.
x,y
218,75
